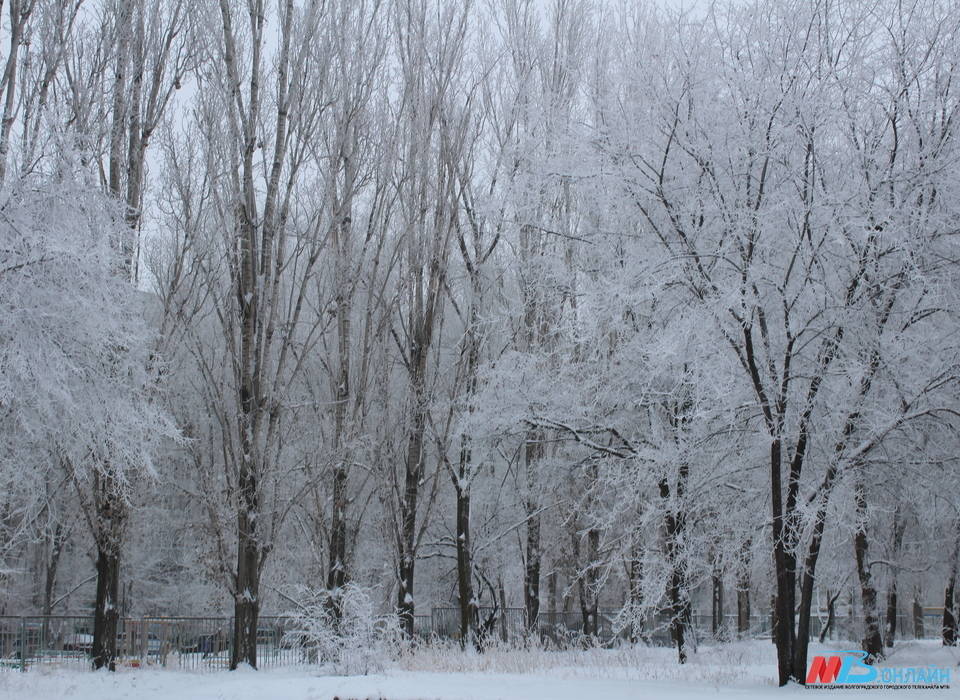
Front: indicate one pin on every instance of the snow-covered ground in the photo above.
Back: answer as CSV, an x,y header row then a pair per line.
x,y
733,671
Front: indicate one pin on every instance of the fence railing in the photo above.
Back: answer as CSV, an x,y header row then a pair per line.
x,y
194,643
203,643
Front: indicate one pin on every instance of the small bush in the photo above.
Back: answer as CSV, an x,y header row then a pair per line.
x,y
341,631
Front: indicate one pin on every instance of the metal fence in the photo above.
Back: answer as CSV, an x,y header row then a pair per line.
x,y
564,628
192,643
203,643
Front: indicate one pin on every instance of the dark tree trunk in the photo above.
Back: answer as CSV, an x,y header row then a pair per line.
x,y
897,545
800,641
408,508
106,613
784,568
246,614
831,615
743,592
337,568
246,601
589,593
502,593
57,542
586,619
719,630
918,631
337,563
531,574
873,639
533,450
468,604
743,612
949,619
247,579
792,624
635,575
891,613
675,525
949,627
678,613
552,593
118,129
108,534
773,617
405,604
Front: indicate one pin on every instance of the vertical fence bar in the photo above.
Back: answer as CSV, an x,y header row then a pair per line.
x,y
23,645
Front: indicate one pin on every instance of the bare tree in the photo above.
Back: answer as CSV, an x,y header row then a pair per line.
x,y
263,243
431,49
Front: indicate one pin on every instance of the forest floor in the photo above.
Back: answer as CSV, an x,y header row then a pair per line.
x,y
742,669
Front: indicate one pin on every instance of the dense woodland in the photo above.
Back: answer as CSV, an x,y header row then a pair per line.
x,y
557,305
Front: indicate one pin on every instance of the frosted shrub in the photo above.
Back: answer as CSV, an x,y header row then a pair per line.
x,y
360,642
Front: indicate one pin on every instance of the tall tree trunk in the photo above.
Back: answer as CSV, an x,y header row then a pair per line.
x,y
117,165
502,593
534,323
57,542
784,569
918,627
552,593
249,301
52,564
773,617
831,614
719,630
246,605
337,563
891,613
635,582
743,611
588,585
743,591
678,613
872,639
533,449
743,608
110,513
468,604
20,12
106,612
949,626
247,579
800,640
677,594
897,545
136,144
408,512
949,619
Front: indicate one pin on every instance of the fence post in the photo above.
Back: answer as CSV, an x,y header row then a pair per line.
x,y
23,645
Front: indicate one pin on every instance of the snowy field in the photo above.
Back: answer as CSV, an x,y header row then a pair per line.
x,y
737,670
